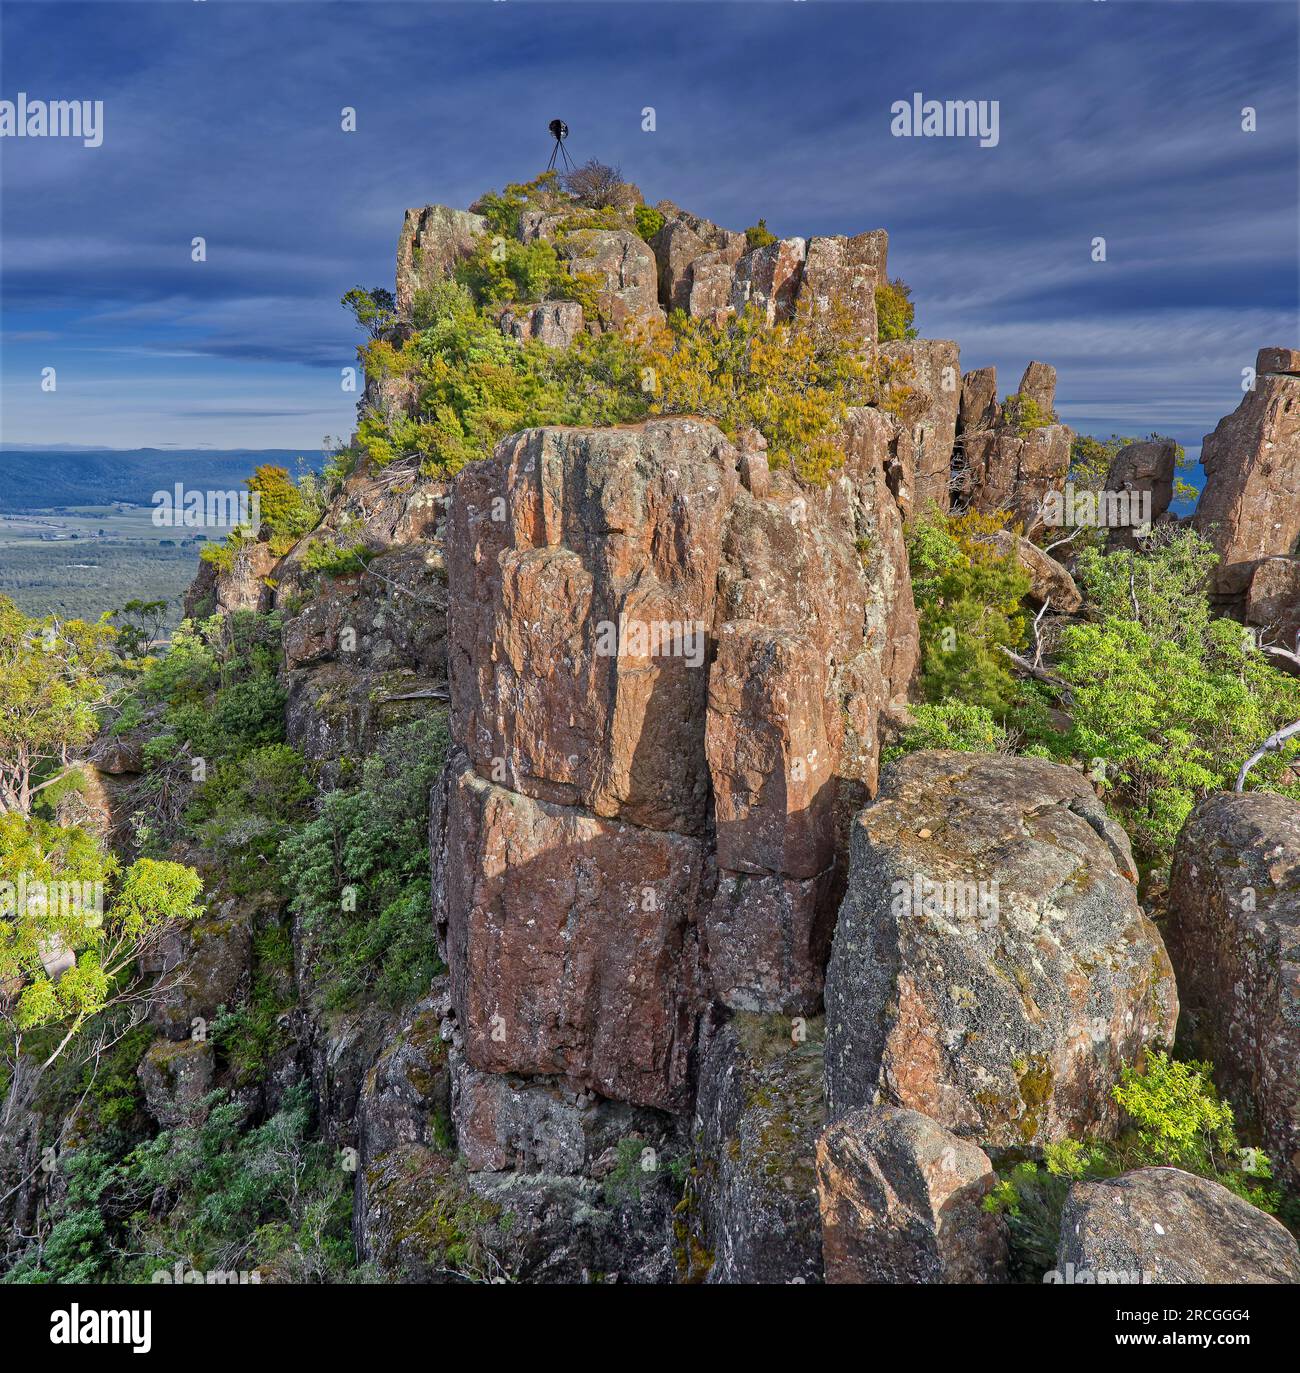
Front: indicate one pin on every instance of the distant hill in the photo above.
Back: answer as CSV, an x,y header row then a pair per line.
x,y
43,478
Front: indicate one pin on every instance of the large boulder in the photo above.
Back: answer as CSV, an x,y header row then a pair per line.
x,y
177,1078
978,406
934,370
1049,581
768,278
1038,384
553,323
902,1201
1273,602
991,966
1161,1225
433,240
758,1113
1250,507
1144,473
624,266
1233,930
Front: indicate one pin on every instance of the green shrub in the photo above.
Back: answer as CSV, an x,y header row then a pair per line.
x,y
648,221
1022,413
950,725
759,235
969,598
894,311
359,874
1173,1117
1168,705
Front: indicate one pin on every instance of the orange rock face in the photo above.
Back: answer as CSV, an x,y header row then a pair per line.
x,y
667,685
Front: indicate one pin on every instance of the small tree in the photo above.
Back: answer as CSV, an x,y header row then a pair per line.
x,y
375,310
67,954
895,311
594,183
51,687
759,235
138,624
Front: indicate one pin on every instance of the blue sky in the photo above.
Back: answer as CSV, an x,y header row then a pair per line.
x,y
1119,119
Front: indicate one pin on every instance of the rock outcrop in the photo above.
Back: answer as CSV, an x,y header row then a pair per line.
x,y
1250,507
1006,463
1233,930
433,240
991,966
177,1077
902,1201
758,1113
1144,473
1161,1225
1273,602
934,367
667,688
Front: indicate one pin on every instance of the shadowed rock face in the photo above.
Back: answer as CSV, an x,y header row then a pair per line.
x,y
1167,1226
757,1117
1250,508
570,942
1273,602
902,1201
1004,1012
1234,937
668,687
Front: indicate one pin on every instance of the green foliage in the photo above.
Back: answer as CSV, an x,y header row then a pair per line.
x,y
215,1197
969,599
1022,413
76,899
288,508
221,555
648,221
375,311
333,559
951,724
250,1035
52,681
502,212
792,381
501,270
1167,704
895,311
139,622
1173,1117
246,808
759,235
359,874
